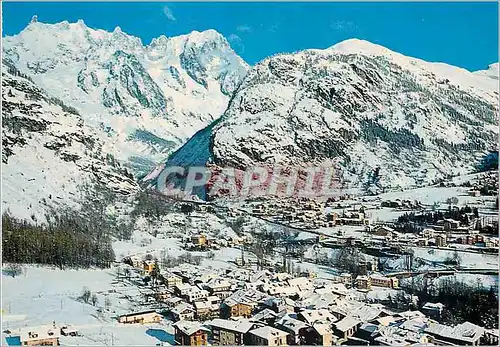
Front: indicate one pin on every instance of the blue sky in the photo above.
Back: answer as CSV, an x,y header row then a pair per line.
x,y
461,34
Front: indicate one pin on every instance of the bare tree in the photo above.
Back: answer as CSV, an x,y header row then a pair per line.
x,y
348,259
155,274
85,294
94,299
456,258
237,225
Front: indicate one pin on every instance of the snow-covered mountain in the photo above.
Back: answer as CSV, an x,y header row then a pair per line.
x,y
148,99
49,152
359,104
492,71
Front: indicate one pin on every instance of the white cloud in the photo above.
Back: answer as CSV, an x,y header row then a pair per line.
x,y
169,14
244,29
343,25
273,28
236,43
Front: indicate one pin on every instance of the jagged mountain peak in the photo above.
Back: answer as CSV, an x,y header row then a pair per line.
x,y
429,73
194,37
205,35
148,99
56,38
65,25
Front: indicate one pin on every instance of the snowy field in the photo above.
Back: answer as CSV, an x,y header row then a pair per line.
x,y
384,214
142,243
468,260
42,295
439,195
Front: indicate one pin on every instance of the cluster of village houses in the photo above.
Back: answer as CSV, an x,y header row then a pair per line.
x,y
445,233
244,307
240,306
306,212
313,214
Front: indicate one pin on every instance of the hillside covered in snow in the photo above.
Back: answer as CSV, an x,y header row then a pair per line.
x,y
49,152
360,105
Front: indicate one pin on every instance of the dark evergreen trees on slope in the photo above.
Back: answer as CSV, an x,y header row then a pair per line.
x,y
69,238
153,207
461,215
463,301
488,162
58,245
372,184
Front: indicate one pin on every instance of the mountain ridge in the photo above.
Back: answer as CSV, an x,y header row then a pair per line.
x,y
378,109
170,88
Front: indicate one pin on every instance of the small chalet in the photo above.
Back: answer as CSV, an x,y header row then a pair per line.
x,y
40,336
346,327
183,311
268,336
190,334
140,317
229,332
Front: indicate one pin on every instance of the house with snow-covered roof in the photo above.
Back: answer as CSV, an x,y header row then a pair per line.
x,y
40,336
268,336
346,327
292,326
150,316
196,294
303,283
316,316
266,316
170,279
182,289
463,334
319,300
216,285
319,334
183,311
206,310
242,303
189,333
230,332
395,336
